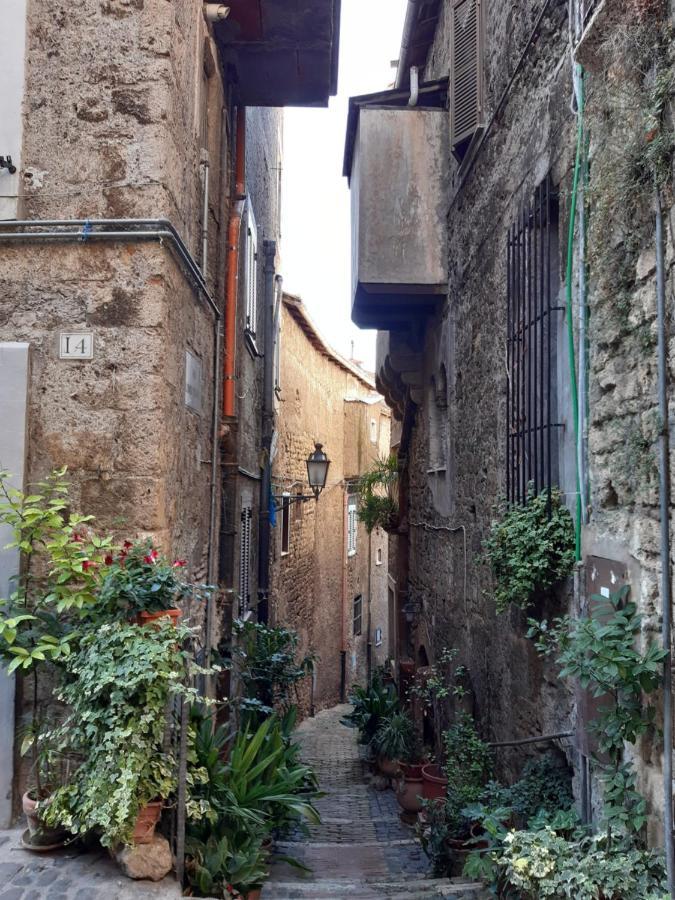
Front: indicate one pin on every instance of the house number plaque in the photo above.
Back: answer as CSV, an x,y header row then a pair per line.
x,y
76,345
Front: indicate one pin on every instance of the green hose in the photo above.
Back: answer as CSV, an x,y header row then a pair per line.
x,y
568,294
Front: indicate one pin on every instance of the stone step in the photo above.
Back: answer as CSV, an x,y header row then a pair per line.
x,y
391,889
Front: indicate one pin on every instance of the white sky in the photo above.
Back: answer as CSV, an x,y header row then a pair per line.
x,y
316,240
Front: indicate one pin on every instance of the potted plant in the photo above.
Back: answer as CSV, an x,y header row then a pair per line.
x,y
232,864
142,585
393,741
378,495
370,706
120,683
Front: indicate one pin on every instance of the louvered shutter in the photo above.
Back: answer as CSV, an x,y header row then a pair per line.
x,y
466,82
245,559
251,272
351,529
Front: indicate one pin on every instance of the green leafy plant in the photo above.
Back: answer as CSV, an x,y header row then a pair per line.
x,y
266,660
227,865
119,685
601,653
540,864
544,786
378,495
138,579
395,738
435,684
370,706
530,549
468,761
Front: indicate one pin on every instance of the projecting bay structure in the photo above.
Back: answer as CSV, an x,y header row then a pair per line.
x,y
140,185
499,315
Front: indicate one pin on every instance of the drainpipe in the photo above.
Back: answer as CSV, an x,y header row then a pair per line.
x,y
664,497
414,86
205,213
264,531
232,286
343,605
369,645
404,54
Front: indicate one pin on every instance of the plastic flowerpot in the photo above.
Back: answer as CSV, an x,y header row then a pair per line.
x,y
148,817
148,618
435,783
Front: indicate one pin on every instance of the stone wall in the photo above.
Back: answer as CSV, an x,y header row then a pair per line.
x,y
313,586
514,693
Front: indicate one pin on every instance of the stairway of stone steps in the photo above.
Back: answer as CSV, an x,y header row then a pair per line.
x,y
361,849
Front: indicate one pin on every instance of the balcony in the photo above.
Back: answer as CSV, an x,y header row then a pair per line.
x,y
396,162
284,54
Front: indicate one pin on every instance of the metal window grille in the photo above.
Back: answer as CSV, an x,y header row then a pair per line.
x,y
358,615
352,528
251,273
245,560
532,322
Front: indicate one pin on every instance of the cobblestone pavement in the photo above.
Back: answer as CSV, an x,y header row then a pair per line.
x,y
69,875
361,848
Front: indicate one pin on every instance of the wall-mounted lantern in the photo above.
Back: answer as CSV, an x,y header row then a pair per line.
x,y
317,473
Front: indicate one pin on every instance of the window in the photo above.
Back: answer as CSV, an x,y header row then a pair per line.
x,y
245,560
533,432
358,615
285,524
378,556
466,74
378,637
352,527
251,273
373,431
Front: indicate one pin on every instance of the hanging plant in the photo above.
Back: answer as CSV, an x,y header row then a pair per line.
x,y
530,549
378,495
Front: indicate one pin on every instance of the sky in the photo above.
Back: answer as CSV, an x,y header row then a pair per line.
x,y
316,239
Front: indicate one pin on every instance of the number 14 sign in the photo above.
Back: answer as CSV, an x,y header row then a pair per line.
x,y
76,345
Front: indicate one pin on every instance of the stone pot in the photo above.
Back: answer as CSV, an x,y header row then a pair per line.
x,y
44,836
147,618
409,791
148,817
388,767
435,783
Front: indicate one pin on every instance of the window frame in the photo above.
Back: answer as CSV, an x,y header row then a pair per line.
x,y
352,526
285,530
251,273
461,141
357,604
245,547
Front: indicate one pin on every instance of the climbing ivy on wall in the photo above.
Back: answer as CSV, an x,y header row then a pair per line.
x,y
530,549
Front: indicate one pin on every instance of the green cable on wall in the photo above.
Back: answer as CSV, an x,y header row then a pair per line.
x,y
568,297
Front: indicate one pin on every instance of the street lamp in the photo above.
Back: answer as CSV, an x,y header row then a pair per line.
x,y
317,470
317,473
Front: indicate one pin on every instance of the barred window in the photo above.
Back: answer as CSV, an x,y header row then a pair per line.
x,y
352,527
285,524
358,615
251,272
245,560
533,316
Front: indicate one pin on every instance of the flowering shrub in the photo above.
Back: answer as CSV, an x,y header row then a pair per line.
x,y
138,580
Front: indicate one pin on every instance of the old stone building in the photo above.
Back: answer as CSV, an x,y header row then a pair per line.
x,y
464,180
329,577
139,185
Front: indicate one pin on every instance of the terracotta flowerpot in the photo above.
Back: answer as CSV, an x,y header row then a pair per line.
x,y
388,767
409,793
147,618
30,812
412,771
254,894
147,820
435,782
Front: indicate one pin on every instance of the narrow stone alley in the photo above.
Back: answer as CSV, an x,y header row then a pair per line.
x,y
361,848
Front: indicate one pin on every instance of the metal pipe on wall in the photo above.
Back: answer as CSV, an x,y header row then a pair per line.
x,y
205,213
664,502
232,286
264,531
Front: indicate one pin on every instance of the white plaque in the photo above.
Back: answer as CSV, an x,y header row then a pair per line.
x,y
193,382
76,345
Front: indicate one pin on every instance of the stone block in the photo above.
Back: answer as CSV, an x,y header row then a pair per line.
x,y
151,861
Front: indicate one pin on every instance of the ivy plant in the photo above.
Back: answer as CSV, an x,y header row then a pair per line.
x,y
601,651
119,684
530,548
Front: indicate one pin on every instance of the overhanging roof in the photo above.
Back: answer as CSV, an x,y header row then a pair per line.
x,y
418,34
298,310
284,52
433,94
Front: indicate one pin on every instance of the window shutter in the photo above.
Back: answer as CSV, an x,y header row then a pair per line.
x,y
251,272
466,81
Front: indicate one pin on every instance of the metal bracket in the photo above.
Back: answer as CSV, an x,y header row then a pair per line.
x,y
6,163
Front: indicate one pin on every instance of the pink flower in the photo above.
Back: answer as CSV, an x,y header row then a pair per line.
x,y
128,545
88,564
77,538
180,563
148,559
108,560
154,554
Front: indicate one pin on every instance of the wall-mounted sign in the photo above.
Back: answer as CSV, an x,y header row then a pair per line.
x,y
76,345
193,382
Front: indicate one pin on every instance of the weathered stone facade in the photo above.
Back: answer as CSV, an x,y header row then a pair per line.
x,y
531,135
323,397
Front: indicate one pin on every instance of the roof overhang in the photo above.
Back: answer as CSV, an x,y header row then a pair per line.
x,y
419,30
284,52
